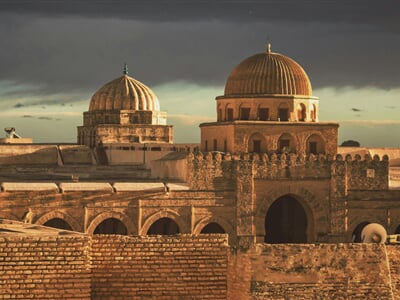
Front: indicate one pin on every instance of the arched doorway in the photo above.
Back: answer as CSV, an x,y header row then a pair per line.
x,y
286,222
164,226
58,223
356,236
111,226
212,228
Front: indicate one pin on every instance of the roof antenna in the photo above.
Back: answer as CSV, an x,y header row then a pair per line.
x,y
125,69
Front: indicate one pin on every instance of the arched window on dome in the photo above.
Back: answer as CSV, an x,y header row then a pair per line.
x,y
229,113
219,113
313,113
283,112
263,114
301,112
244,113
315,144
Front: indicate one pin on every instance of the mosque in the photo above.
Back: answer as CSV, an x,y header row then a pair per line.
x,y
267,171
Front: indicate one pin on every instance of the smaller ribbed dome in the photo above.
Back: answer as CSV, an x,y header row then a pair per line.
x,y
124,93
268,73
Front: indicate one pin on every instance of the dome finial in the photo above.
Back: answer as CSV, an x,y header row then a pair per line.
x,y
125,69
268,47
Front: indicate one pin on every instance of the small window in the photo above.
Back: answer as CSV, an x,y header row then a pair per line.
x,y
313,147
215,145
244,113
257,146
284,145
229,114
283,114
263,114
219,114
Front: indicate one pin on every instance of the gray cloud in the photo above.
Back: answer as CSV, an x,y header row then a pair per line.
x,y
77,46
382,13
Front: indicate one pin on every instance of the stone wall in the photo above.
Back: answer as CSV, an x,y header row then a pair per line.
x,y
393,253
205,171
65,266
40,267
28,154
367,174
76,154
159,267
314,271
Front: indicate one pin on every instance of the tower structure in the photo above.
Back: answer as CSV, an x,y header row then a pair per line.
x,y
124,110
268,107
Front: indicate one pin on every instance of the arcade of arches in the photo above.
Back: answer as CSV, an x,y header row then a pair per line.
x,y
163,226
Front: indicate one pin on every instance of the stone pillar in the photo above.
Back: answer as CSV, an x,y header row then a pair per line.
x,y
244,204
338,204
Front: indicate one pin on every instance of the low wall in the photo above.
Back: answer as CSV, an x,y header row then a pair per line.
x,y
28,154
44,267
191,267
159,267
76,154
315,271
393,252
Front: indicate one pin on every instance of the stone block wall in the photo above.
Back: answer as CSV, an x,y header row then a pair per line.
x,y
11,155
319,271
393,253
44,267
159,267
75,154
215,170
368,174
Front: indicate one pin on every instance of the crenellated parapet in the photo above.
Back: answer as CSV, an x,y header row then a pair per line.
x,y
369,173
220,170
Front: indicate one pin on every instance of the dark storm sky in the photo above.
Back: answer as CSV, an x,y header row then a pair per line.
x,y
61,52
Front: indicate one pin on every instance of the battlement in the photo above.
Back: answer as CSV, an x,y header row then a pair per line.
x,y
291,159
369,173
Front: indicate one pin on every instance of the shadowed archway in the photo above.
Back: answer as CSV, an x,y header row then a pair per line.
x,y
111,226
212,228
286,222
58,223
163,226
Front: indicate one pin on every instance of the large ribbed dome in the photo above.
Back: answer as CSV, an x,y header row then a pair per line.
x,y
268,73
124,93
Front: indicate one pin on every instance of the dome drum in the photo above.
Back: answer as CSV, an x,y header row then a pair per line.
x,y
125,117
268,108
